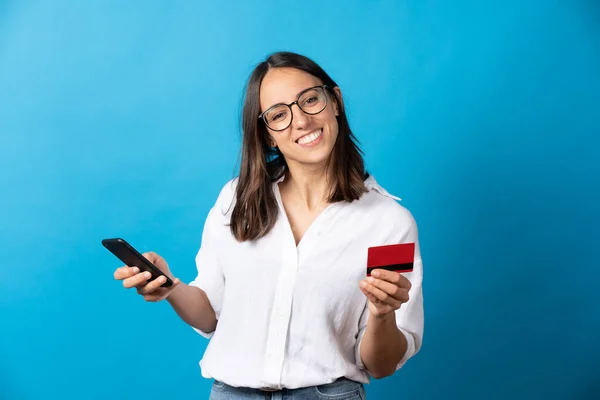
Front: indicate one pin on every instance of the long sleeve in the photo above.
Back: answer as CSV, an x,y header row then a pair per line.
x,y
410,316
210,277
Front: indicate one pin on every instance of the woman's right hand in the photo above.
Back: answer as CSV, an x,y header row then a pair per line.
x,y
151,290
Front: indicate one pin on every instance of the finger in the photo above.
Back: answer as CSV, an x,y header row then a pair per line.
x,y
162,293
371,297
153,285
393,277
399,293
151,256
390,288
125,272
381,295
158,292
380,308
136,280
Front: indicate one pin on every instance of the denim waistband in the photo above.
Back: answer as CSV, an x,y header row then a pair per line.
x,y
341,388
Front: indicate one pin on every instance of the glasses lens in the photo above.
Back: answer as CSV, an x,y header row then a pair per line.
x,y
313,101
278,117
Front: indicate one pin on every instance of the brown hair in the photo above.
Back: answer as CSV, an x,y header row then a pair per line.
x,y
256,210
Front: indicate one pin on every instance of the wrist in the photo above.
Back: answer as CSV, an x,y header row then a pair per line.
x,y
382,322
175,292
384,318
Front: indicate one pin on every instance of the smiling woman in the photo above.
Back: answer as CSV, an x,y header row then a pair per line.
x,y
284,254
315,138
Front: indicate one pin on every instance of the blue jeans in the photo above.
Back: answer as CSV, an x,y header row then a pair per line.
x,y
341,389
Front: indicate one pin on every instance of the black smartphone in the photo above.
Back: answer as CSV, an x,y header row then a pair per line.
x,y
132,258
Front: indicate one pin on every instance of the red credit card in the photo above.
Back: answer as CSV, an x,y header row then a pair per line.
x,y
391,257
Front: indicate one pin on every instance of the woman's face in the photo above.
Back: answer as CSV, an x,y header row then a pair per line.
x,y
309,139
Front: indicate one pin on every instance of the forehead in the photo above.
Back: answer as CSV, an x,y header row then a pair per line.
x,y
282,85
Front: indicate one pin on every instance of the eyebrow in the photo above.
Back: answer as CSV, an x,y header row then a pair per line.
x,y
297,94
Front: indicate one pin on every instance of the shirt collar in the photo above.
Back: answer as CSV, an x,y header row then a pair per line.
x,y
281,179
371,183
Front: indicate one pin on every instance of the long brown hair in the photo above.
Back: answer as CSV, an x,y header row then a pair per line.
x,y
256,210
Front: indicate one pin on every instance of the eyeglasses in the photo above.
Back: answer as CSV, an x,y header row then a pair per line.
x,y
311,101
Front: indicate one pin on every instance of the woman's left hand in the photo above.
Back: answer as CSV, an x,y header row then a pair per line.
x,y
386,291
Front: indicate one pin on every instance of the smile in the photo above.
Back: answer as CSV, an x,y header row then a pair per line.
x,y
310,138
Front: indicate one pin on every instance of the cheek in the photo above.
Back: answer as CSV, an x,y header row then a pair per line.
x,y
282,139
333,126
329,119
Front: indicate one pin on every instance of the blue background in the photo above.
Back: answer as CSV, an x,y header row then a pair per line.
x,y
122,119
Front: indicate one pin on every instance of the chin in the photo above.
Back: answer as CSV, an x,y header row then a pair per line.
x,y
319,157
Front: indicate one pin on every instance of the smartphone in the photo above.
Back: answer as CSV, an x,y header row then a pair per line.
x,y
132,258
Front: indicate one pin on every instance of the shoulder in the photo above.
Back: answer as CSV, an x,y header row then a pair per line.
x,y
222,207
386,208
227,193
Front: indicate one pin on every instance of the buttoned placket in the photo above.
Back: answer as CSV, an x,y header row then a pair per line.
x,y
284,292
282,303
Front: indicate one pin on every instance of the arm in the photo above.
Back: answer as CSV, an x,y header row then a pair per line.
x,y
391,329
192,305
383,345
189,302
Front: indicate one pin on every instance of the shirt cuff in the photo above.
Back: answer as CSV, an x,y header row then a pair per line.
x,y
359,339
410,348
207,335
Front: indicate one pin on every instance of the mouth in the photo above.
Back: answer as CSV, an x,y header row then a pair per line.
x,y
310,137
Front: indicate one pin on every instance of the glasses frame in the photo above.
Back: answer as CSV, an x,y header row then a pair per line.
x,y
262,114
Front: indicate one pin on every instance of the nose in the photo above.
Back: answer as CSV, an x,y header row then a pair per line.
x,y
301,119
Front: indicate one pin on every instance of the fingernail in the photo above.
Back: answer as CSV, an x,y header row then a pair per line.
x,y
370,279
147,275
162,279
135,270
375,274
363,284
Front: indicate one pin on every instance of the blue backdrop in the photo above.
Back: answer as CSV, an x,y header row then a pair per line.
x,y
121,119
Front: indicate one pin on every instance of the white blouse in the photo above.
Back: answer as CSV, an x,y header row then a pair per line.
x,y
294,316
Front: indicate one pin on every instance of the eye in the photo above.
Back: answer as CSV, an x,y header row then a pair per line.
x,y
277,116
311,99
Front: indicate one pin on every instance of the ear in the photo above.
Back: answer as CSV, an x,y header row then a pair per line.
x,y
271,141
338,101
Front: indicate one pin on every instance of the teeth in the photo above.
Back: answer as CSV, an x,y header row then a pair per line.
x,y
310,137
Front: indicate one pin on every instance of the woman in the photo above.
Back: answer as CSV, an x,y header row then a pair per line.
x,y
282,290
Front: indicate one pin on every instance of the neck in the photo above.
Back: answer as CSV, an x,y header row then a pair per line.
x,y
310,185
